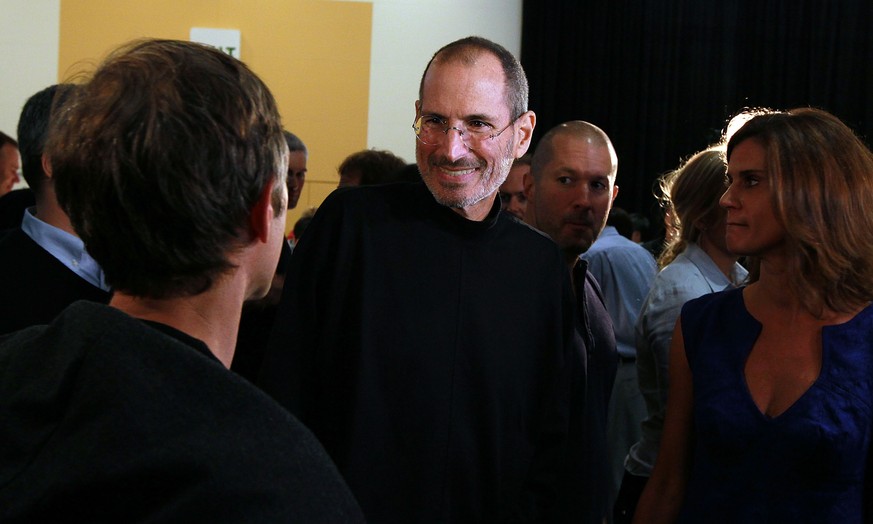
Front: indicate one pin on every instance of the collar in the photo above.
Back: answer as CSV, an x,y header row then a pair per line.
x,y
68,249
457,222
711,272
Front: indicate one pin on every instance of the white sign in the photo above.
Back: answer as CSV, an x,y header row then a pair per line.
x,y
227,40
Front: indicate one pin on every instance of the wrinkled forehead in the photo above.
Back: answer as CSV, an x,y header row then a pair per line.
x,y
474,87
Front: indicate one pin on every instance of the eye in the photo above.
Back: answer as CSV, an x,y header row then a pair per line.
x,y
599,185
565,180
751,181
478,126
432,121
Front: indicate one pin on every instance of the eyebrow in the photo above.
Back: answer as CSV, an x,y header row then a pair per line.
x,y
475,116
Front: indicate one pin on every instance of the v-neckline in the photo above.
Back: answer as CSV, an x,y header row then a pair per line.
x,y
744,378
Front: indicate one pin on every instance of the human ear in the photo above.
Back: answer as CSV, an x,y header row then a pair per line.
x,y
528,185
46,165
526,124
263,212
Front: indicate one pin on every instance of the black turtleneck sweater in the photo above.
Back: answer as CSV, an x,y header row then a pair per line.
x,y
432,356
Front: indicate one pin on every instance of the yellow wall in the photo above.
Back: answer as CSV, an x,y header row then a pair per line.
x,y
314,56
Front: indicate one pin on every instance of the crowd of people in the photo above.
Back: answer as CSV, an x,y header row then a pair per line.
x,y
475,337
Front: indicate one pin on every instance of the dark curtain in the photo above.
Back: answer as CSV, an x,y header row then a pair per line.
x,y
662,77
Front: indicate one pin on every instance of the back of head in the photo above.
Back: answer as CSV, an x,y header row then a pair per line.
x,y
373,165
466,50
821,184
523,160
33,125
159,159
640,225
693,192
621,221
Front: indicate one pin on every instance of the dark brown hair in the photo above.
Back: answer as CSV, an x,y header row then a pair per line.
x,y
159,160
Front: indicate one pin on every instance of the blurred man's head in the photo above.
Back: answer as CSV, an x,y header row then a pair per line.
x,y
33,125
9,163
512,197
296,168
370,167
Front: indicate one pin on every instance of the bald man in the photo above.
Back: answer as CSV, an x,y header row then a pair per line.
x,y
570,190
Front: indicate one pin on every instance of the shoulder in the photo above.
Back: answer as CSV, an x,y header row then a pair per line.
x,y
524,231
388,196
711,303
160,403
713,314
349,211
677,272
13,237
617,245
15,248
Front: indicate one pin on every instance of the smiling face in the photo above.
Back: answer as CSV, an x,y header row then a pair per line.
x,y
752,225
569,196
465,95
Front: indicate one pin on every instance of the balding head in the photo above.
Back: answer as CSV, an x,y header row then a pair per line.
x,y
578,130
571,186
470,49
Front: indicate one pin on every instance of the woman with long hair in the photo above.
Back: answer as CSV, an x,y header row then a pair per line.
x,y
769,408
695,262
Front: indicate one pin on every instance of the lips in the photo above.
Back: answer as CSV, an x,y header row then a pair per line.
x,y
455,172
576,221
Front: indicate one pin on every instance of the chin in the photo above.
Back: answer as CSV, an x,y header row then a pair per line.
x,y
258,292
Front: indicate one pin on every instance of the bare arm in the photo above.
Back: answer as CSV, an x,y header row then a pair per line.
x,y
665,490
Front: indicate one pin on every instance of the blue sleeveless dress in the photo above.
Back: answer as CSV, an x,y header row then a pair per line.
x,y
807,464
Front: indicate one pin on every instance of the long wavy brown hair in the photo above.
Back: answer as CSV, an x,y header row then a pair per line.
x,y
822,191
692,192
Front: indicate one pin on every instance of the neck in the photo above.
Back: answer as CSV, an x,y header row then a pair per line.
x,y
49,211
774,283
212,317
723,260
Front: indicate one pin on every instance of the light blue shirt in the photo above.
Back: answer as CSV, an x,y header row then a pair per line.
x,y
691,274
625,271
68,249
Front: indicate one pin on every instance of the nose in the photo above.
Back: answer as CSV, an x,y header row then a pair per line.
x,y
727,200
582,197
454,144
